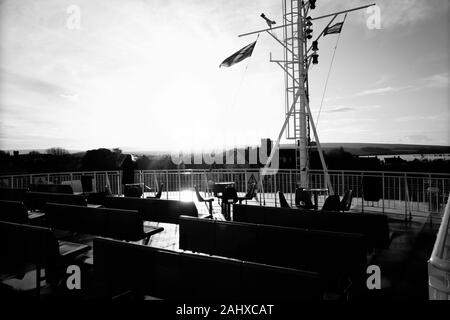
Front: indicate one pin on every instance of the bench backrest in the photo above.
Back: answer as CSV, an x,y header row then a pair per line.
x,y
118,224
374,226
23,245
158,210
13,211
165,274
38,200
329,253
13,194
75,185
52,188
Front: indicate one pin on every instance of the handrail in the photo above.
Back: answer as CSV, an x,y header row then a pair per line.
x,y
437,258
233,170
438,265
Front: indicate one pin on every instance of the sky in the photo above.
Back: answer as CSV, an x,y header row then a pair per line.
x,y
144,74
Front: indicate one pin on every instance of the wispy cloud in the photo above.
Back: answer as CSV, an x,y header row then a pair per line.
x,y
398,13
384,90
31,84
432,117
70,97
344,108
409,12
369,92
440,81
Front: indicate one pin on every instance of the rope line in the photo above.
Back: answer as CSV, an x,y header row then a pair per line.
x,y
328,76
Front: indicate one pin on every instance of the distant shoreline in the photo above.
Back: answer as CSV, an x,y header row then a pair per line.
x,y
358,149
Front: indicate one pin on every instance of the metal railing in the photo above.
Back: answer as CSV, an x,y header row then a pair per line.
x,y
439,263
402,192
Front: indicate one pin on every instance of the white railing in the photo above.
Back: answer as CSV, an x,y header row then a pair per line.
x,y
439,263
405,192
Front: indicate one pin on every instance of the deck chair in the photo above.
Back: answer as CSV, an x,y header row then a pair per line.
x,y
133,190
249,195
159,193
207,201
346,201
229,197
332,203
283,202
303,199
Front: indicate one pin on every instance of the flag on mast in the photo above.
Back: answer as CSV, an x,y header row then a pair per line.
x,y
240,55
336,28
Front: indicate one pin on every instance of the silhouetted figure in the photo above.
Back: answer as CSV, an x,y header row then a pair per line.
x,y
268,21
128,166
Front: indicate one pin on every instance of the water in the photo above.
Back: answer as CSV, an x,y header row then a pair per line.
x,y
411,157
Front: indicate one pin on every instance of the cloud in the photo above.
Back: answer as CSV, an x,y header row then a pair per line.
x,y
381,91
31,84
416,138
409,12
343,108
368,92
434,117
394,13
440,81
70,97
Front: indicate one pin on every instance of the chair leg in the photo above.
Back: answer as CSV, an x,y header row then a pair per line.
x,y
38,281
210,208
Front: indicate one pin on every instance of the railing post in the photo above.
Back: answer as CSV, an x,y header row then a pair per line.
x,y
95,182
274,185
167,184
179,185
383,186
362,192
406,197
290,185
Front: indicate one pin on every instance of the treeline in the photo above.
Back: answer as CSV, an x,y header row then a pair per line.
x,y
60,160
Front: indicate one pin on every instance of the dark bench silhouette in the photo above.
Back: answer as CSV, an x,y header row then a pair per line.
x,y
337,257
52,188
125,225
157,210
146,271
13,194
38,200
374,226
13,211
25,248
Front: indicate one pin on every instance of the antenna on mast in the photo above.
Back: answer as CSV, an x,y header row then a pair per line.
x,y
297,31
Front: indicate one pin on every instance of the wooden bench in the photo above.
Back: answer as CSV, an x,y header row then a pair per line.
x,y
13,211
337,257
25,248
38,200
125,225
13,194
145,271
374,226
158,210
52,188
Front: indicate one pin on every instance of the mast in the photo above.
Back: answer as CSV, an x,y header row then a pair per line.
x,y
297,31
